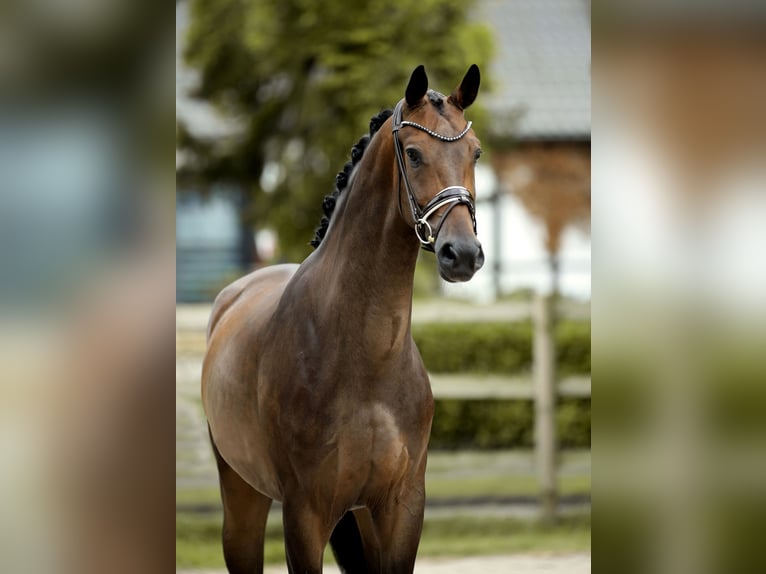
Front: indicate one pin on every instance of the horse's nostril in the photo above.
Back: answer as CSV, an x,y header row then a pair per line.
x,y
448,253
479,260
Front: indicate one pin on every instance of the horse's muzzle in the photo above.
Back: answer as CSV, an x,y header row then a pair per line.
x,y
459,259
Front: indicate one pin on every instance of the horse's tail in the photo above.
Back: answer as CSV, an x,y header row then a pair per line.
x,y
346,543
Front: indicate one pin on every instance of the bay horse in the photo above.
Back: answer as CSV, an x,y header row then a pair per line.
x,y
313,388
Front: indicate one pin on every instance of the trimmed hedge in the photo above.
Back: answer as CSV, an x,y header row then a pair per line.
x,y
498,347
503,348
493,424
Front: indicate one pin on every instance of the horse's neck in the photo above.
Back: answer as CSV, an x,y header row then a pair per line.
x,y
367,260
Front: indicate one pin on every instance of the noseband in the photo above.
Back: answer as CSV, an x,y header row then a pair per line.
x,y
453,195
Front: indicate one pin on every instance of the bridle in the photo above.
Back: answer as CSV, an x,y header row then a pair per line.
x,y
453,195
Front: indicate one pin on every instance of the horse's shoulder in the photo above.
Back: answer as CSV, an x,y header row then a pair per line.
x,y
262,279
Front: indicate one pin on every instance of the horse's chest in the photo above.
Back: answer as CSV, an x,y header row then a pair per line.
x,y
387,438
391,445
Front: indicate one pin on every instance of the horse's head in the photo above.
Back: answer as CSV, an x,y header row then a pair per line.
x,y
437,151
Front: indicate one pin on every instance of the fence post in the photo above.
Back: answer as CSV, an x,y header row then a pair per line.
x,y
545,404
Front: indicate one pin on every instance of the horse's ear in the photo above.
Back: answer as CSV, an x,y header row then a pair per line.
x,y
417,87
465,93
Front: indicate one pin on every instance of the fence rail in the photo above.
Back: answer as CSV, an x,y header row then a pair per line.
x,y
468,386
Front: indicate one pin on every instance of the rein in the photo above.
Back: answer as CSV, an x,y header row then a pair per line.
x,y
453,195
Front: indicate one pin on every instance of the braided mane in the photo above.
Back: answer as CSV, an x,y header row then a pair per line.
x,y
341,179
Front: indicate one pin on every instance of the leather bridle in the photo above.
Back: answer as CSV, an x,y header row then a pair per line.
x,y
452,196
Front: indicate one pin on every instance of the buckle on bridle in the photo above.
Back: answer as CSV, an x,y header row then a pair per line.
x,y
426,238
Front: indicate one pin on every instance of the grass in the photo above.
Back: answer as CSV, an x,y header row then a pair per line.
x,y
207,496
198,538
460,474
524,485
198,541
472,536
436,488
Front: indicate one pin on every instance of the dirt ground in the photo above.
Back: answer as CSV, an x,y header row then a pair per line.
x,y
518,564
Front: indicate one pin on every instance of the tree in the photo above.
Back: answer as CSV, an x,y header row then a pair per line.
x,y
302,79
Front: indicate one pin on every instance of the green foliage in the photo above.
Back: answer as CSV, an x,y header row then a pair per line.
x,y
502,347
482,424
493,424
474,347
573,423
302,80
573,347
498,347
426,282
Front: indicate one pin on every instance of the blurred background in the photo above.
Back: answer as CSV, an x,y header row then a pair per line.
x,y
86,287
270,98
679,227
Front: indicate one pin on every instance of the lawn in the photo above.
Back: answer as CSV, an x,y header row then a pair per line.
x,y
198,538
450,476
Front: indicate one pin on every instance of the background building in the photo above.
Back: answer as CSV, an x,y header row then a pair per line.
x,y
537,226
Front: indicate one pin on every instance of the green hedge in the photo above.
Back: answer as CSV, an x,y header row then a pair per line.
x,y
498,347
503,348
488,424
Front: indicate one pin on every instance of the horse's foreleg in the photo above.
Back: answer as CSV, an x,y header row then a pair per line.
x,y
306,535
245,511
370,541
398,524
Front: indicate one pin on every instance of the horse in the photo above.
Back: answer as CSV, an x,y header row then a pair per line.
x,y
314,391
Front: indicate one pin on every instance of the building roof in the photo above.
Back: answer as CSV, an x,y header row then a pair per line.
x,y
541,69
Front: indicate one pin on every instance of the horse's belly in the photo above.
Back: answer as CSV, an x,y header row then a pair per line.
x,y
243,443
240,435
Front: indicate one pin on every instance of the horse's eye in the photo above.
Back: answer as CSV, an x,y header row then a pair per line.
x,y
476,155
413,156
